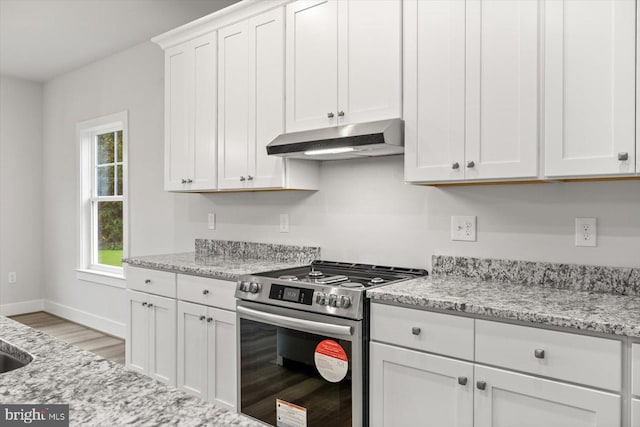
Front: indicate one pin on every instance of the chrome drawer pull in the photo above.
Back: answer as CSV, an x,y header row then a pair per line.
x,y
205,292
415,330
538,353
462,380
623,156
147,281
481,385
202,317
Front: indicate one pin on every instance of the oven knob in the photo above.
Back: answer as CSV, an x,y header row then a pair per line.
x,y
242,286
254,288
345,302
321,298
333,300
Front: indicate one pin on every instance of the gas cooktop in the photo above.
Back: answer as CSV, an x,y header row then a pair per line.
x,y
327,287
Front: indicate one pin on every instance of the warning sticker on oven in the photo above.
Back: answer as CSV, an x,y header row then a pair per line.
x,y
290,415
331,361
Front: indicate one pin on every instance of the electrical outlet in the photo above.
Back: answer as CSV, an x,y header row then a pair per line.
x,y
586,232
13,277
463,228
284,223
211,221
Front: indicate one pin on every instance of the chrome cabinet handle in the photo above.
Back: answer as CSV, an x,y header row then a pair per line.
x,y
184,181
150,305
144,304
340,113
538,353
462,380
189,181
242,178
455,165
147,281
330,115
249,178
415,330
209,319
203,317
205,292
623,156
481,385
471,164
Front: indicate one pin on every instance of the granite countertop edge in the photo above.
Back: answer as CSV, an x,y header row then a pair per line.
x,y
593,316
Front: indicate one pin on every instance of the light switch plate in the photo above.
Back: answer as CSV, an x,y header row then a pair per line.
x,y
586,232
211,221
463,228
284,223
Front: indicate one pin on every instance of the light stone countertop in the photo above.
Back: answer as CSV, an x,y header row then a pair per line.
x,y
99,392
608,313
212,266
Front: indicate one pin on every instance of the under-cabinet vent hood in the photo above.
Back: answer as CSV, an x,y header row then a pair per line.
x,y
381,138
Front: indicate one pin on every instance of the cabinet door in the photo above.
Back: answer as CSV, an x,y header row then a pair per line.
x,y
635,412
222,370
266,91
233,106
137,344
370,60
204,119
589,87
410,388
501,89
162,339
434,97
511,399
192,348
312,64
178,90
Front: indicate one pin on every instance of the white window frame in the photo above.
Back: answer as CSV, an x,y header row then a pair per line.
x,y
86,132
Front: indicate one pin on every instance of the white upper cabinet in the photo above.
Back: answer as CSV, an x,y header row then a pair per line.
x,y
190,115
471,90
589,58
344,62
312,64
233,105
251,108
266,97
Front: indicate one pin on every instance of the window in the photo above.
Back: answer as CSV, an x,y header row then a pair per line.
x,y
103,194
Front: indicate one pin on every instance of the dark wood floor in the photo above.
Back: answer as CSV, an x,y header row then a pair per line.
x,y
89,339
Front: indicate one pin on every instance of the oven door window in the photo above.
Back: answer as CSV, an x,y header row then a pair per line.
x,y
279,363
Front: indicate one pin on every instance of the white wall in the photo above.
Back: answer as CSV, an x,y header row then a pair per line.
x,y
364,211
20,195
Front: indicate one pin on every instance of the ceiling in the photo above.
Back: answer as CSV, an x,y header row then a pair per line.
x,y
40,39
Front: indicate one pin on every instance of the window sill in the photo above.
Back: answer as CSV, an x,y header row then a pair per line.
x,y
101,277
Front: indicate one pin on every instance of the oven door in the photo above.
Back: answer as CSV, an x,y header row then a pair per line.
x,y
299,368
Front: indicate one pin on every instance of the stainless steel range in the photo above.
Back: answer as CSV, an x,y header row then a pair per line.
x,y
303,342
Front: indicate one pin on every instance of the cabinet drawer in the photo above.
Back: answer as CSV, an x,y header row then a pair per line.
x,y
635,368
207,291
151,281
565,356
423,330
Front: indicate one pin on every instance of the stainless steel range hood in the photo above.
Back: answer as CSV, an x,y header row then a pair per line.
x,y
381,138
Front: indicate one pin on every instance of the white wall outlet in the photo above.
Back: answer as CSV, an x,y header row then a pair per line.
x,y
13,277
211,221
463,228
586,232
284,223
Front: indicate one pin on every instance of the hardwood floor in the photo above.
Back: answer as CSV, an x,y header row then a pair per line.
x,y
104,345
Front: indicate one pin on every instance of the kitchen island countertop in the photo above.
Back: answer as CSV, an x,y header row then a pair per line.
x,y
99,392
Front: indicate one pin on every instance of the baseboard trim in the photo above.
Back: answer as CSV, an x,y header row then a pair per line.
x,y
22,307
90,320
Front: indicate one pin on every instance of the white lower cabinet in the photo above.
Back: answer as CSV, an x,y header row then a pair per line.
x,y
505,398
151,336
410,388
635,413
207,353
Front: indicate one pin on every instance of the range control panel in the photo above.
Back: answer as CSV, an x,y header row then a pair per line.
x,y
291,294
